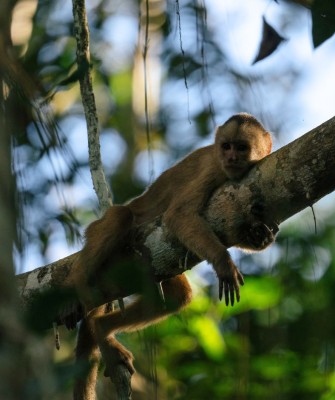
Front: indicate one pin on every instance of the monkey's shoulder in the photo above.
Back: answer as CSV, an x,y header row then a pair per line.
x,y
200,154
193,174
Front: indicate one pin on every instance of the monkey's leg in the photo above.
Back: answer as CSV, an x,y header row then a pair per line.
x,y
104,238
143,312
88,357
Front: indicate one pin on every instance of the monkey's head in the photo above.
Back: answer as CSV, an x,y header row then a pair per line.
x,y
239,143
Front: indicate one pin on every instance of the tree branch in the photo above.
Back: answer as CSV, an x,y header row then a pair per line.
x,y
282,184
86,89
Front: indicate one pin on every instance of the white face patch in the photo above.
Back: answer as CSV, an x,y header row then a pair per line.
x,y
239,146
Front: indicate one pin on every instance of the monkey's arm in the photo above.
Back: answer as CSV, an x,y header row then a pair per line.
x,y
184,221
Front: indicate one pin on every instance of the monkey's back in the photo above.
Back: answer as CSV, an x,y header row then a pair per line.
x,y
190,174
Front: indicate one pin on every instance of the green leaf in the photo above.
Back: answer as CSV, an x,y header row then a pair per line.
x,y
323,19
208,334
121,85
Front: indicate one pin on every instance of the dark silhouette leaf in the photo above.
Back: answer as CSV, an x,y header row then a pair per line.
x,y
323,18
270,42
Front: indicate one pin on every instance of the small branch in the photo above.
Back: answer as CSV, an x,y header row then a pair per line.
x,y
83,60
122,379
146,105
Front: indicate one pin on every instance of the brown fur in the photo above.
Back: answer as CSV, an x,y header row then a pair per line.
x,y
179,195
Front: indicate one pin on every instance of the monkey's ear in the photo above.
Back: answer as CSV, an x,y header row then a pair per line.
x,y
269,142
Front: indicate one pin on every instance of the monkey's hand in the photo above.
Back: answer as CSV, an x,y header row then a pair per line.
x,y
115,355
230,279
259,236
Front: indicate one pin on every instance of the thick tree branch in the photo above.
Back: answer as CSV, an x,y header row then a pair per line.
x,y
284,183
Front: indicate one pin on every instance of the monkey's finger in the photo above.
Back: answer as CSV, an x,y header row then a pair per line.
x,y
237,291
232,289
220,288
240,278
226,293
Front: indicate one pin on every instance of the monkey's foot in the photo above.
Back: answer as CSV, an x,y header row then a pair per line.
x,y
70,314
115,355
259,236
230,279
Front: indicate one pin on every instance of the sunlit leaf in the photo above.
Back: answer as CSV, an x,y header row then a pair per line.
x,y
121,87
209,336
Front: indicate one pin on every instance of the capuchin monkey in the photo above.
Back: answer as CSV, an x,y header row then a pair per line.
x,y
179,196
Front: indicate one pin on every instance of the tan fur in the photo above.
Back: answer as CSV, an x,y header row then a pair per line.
x,y
179,195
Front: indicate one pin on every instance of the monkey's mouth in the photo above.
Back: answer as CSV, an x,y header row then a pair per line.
x,y
235,171
235,167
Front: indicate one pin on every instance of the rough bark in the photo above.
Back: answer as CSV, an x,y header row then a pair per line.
x,y
284,183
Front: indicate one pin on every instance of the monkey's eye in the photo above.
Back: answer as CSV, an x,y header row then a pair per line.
x,y
242,147
225,146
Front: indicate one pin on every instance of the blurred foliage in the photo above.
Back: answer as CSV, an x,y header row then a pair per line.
x,y
279,341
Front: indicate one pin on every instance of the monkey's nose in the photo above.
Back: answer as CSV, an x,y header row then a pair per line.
x,y
232,157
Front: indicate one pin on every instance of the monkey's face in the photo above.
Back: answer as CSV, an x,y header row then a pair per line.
x,y
235,158
239,147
